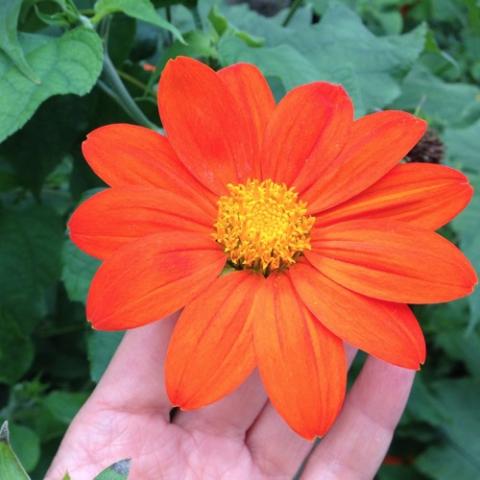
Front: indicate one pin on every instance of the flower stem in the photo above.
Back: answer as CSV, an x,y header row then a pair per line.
x,y
114,86
291,12
132,80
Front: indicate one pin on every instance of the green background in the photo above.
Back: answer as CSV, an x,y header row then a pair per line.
x,y
68,66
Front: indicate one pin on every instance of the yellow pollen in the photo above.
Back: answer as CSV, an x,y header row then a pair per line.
x,y
262,225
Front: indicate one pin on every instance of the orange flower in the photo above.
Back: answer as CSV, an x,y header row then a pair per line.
x,y
326,236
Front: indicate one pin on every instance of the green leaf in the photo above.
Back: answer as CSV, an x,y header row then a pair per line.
x,y
10,466
458,455
338,49
273,61
218,21
8,179
466,226
446,462
463,145
452,331
101,347
377,62
398,472
64,405
9,12
78,271
67,64
117,471
423,405
16,349
222,26
26,444
391,21
139,9
199,44
60,120
443,103
463,345
121,36
29,257
447,10
436,59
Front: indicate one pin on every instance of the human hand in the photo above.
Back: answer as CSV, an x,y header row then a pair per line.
x,y
239,437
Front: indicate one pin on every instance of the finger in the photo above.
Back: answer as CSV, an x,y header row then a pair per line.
x,y
232,415
270,437
356,445
134,379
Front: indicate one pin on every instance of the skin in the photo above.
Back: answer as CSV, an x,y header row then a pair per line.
x,y
238,437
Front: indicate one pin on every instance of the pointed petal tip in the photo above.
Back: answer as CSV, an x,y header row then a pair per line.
x,y
310,433
179,62
409,117
471,280
178,398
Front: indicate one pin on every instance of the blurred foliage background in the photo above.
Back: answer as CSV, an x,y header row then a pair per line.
x,y
68,66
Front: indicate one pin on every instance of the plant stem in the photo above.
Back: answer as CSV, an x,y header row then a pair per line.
x,y
291,12
117,90
132,80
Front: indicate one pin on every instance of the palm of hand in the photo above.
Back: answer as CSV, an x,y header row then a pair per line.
x,y
159,450
239,437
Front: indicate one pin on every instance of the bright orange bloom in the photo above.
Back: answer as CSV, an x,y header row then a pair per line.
x,y
326,235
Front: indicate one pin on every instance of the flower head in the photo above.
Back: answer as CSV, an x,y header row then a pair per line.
x,y
327,235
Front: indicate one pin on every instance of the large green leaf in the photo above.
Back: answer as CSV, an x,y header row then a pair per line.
x,y
139,9
422,404
9,12
64,405
30,247
78,271
463,145
101,347
10,467
338,49
67,64
382,15
16,349
443,103
448,326
458,455
467,227
273,61
26,444
60,120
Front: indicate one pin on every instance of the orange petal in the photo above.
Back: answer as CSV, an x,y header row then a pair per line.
x,y
211,350
421,194
252,92
153,277
388,331
377,142
115,217
126,155
306,132
392,261
302,364
205,125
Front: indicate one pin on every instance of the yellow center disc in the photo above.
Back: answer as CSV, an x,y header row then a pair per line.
x,y
262,225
